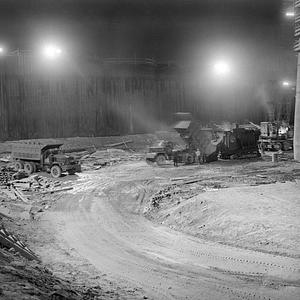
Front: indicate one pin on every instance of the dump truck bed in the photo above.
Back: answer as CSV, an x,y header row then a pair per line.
x,y
31,150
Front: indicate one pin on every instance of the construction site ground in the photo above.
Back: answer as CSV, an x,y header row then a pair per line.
x,y
128,230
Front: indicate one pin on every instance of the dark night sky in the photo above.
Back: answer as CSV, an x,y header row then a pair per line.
x,y
185,31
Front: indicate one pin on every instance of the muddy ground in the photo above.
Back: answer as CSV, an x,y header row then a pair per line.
x,y
127,230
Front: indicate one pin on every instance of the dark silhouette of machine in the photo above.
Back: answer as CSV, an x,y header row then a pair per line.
x,y
212,142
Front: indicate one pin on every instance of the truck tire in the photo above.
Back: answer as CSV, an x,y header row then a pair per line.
x,y
278,146
160,159
56,171
189,159
29,167
19,165
34,167
286,146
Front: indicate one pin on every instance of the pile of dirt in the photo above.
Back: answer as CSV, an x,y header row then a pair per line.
x,y
250,205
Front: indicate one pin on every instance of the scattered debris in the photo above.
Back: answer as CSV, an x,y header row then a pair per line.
x,y
8,240
57,190
20,195
119,144
29,279
6,174
109,157
5,160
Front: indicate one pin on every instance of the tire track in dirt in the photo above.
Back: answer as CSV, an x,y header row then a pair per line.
x,y
103,225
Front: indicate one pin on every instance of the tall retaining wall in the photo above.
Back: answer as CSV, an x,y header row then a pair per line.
x,y
111,98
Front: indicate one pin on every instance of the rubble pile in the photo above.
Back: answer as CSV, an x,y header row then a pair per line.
x,y
10,241
6,174
37,183
173,193
24,188
162,194
184,189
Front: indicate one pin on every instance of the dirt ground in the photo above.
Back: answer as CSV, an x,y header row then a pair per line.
x,y
128,230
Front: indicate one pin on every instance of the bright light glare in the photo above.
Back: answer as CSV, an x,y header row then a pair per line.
x,y
286,83
52,51
289,14
1,50
222,68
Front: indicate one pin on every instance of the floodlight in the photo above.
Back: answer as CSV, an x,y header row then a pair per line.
x,y
52,51
286,83
221,68
290,14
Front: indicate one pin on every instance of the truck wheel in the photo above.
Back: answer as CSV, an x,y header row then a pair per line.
x,y
29,167
19,165
56,171
278,146
189,159
160,159
286,146
34,167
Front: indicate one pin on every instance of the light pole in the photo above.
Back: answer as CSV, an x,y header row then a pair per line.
x,y
297,101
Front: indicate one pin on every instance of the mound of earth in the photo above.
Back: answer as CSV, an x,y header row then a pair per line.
x,y
252,205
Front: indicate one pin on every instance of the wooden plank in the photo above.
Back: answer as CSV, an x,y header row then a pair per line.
x,y
57,190
20,195
119,144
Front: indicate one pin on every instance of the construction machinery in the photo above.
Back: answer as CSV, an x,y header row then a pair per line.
x,y
162,151
196,136
275,136
240,142
211,142
36,156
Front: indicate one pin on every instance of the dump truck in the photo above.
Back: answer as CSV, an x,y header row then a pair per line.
x,y
37,156
162,151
